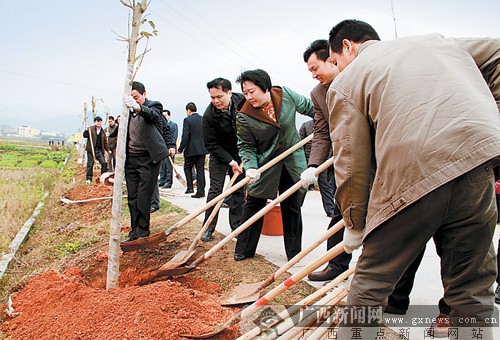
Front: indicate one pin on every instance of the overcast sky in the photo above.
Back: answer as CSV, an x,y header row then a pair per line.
x,y
57,54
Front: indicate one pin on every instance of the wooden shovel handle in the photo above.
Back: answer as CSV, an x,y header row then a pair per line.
x,y
297,277
214,212
238,185
330,232
172,163
258,215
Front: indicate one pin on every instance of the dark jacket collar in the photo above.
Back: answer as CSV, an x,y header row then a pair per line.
x,y
277,99
236,98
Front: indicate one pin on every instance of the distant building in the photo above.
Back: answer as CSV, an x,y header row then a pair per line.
x,y
26,131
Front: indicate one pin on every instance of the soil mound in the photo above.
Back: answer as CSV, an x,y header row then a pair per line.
x,y
60,306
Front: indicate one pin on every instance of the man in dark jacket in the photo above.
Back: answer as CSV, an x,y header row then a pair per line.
x,y
112,136
194,150
219,133
146,148
170,141
96,146
167,172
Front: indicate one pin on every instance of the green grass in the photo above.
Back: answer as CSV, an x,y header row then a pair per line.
x,y
27,172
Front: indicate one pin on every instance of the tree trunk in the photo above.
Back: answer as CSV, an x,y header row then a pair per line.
x,y
114,237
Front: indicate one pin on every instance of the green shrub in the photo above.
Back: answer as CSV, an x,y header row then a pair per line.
x,y
8,162
27,164
57,156
49,164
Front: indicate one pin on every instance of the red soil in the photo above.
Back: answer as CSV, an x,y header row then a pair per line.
x,y
60,306
76,305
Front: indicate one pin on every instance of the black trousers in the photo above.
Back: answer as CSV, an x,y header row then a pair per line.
x,y
199,162
141,175
290,215
90,163
217,173
166,174
155,199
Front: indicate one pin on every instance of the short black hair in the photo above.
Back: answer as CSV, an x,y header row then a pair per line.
x,y
97,119
111,117
139,87
222,83
321,47
191,106
354,30
167,112
259,77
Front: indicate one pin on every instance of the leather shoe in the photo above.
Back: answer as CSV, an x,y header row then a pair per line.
x,y
239,257
153,209
324,275
130,238
198,195
189,191
393,310
207,236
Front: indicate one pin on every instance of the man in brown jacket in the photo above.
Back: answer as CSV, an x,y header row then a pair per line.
x,y
317,57
415,131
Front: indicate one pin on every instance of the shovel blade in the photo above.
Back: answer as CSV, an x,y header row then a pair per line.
x,y
181,180
173,271
241,294
144,242
178,260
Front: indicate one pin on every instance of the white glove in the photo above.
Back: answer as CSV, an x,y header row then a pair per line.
x,y
352,239
253,174
171,152
131,103
308,177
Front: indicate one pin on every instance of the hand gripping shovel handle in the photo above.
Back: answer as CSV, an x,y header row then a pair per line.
x,y
334,229
212,215
258,215
158,238
242,183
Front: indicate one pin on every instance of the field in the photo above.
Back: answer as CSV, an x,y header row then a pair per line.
x,y
27,172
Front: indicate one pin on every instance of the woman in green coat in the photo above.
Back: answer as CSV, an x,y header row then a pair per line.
x,y
265,126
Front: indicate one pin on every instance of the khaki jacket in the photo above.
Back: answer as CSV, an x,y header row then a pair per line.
x,y
406,117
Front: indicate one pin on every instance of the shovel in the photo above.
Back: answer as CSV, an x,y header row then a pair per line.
x,y
250,292
297,277
161,237
163,271
292,310
184,255
68,201
177,175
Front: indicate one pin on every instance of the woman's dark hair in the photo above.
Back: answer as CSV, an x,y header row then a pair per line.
x,y
259,77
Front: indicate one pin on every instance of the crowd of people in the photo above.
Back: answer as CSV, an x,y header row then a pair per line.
x,y
413,126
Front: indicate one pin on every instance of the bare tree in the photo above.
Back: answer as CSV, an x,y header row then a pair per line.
x,y
133,63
